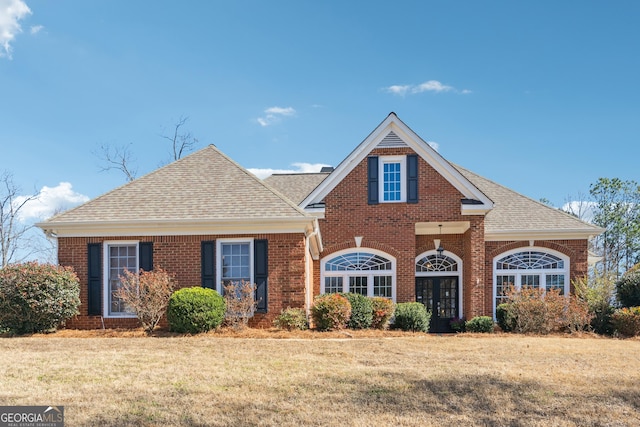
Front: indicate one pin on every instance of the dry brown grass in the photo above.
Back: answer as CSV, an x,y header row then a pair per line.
x,y
116,378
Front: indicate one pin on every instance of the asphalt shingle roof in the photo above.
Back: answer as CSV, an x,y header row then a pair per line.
x,y
514,212
296,186
206,185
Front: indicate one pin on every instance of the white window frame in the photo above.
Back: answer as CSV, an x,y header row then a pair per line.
x,y
457,274
219,243
370,274
542,273
402,160
106,296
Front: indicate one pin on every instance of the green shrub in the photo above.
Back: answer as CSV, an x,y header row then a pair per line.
x,y
383,309
505,318
627,321
412,316
37,297
628,288
361,311
330,311
483,324
194,310
291,319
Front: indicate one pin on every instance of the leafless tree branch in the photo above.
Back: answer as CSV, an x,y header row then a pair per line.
x,y
13,234
181,141
119,158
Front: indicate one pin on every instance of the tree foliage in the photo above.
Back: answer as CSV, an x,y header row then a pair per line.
x,y
628,288
617,211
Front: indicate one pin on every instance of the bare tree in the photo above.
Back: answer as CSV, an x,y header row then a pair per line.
x,y
14,238
181,141
119,158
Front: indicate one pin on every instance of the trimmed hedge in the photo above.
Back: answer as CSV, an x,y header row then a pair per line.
x,y
330,311
194,310
291,319
626,321
361,311
37,297
483,324
412,316
383,309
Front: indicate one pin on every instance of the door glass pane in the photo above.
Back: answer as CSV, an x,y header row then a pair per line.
x,y
448,298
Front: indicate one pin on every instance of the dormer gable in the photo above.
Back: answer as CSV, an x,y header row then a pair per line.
x,y
398,171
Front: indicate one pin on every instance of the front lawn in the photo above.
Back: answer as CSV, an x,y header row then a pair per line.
x,y
401,380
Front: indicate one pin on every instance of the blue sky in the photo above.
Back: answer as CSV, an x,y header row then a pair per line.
x,y
542,97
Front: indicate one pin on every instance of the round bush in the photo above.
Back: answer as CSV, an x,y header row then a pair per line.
x,y
626,321
483,324
361,311
37,297
505,319
383,309
291,319
412,316
628,288
194,310
330,311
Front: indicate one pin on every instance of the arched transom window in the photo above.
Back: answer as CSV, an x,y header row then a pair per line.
x,y
436,263
364,271
533,267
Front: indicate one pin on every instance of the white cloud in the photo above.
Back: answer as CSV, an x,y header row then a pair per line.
x,y
428,86
11,13
35,29
434,145
300,167
49,201
274,115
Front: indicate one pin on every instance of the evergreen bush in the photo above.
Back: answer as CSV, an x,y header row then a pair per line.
x,y
194,310
361,311
37,297
412,316
330,311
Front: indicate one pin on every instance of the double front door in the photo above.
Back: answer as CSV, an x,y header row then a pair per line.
x,y
440,297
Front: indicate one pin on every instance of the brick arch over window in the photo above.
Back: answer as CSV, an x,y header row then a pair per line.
x,y
555,246
350,244
365,271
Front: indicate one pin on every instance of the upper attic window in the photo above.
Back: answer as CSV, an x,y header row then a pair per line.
x,y
392,179
393,186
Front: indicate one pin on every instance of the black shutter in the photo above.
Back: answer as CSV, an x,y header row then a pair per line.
x,y
145,253
261,273
372,176
412,178
95,279
208,264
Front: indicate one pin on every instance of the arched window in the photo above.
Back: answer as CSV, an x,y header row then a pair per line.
x,y
533,267
362,271
431,263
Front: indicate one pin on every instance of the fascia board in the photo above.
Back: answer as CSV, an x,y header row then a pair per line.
x,y
575,234
173,228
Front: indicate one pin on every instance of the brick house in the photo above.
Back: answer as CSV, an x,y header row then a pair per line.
x,y
393,219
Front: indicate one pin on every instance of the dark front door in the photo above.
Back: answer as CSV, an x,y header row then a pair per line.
x,y
440,296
